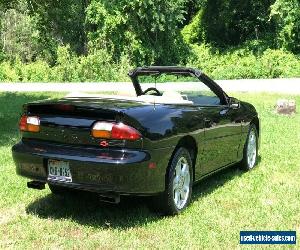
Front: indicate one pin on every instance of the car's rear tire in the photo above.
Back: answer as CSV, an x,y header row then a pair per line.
x,y
58,190
250,152
179,183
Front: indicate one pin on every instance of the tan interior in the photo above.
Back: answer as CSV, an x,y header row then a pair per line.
x,y
168,97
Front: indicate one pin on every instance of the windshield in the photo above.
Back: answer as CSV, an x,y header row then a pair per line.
x,y
179,87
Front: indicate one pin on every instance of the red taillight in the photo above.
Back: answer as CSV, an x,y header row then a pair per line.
x,y
29,124
123,132
115,131
23,123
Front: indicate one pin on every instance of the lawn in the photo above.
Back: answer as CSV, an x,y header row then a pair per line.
x,y
267,198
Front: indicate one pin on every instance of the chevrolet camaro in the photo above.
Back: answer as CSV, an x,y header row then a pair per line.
x,y
169,129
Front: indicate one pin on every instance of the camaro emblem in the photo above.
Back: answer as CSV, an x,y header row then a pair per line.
x,y
104,144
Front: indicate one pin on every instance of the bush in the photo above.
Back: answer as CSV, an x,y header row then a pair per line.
x,y
242,63
279,63
99,66
8,73
66,67
38,71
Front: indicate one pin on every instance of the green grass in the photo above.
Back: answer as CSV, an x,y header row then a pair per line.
x,y
267,198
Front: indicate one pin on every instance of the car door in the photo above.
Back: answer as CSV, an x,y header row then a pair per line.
x,y
222,127
222,134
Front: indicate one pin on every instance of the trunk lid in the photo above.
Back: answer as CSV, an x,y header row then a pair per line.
x,y
70,120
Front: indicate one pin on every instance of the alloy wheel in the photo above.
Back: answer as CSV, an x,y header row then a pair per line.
x,y
181,183
251,149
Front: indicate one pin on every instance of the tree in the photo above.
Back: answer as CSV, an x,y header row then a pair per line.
x,y
286,15
230,22
60,22
18,35
147,30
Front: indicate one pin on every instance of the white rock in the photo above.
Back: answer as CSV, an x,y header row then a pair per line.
x,y
286,106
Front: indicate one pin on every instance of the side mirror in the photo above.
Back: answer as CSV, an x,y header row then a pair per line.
x,y
234,103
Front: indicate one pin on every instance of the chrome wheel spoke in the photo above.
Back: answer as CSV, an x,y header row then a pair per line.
x,y
176,197
184,169
182,195
187,179
175,182
178,169
184,192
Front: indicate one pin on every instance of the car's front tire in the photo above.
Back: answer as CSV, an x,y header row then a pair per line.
x,y
179,183
250,152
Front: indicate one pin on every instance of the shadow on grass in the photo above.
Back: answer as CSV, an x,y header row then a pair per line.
x,y
86,208
215,181
208,185
10,111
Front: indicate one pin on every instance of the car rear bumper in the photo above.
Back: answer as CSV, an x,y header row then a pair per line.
x,y
99,170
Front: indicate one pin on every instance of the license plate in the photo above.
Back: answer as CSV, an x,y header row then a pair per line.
x,y
59,171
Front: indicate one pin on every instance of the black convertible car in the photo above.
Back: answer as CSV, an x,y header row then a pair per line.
x,y
175,127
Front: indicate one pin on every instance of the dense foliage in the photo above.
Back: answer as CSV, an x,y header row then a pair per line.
x,y
99,40
287,18
146,30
